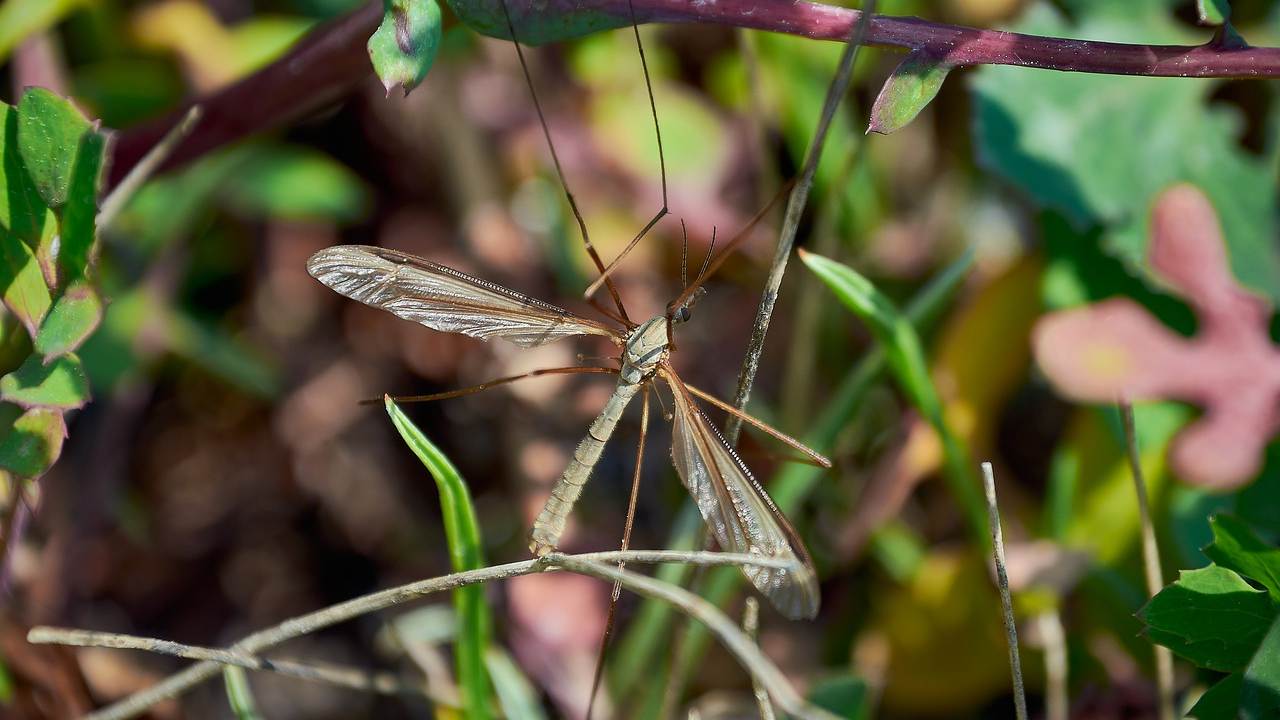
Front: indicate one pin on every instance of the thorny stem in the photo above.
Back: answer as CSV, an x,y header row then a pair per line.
x,y
589,563
332,60
1006,601
791,222
1150,561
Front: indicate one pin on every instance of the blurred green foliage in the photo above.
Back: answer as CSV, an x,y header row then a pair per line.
x,y
51,159
171,292
1218,620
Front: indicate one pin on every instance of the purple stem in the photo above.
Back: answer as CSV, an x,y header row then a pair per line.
x,y
330,61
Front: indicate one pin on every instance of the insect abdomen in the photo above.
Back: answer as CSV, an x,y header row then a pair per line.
x,y
549,525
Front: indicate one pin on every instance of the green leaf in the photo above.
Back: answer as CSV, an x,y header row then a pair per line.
x,y
1260,692
20,18
534,24
1236,547
71,320
49,132
1099,148
463,535
1220,702
913,85
846,695
239,694
404,45
516,695
80,213
60,384
1211,617
34,442
295,183
905,357
22,212
1213,12
22,284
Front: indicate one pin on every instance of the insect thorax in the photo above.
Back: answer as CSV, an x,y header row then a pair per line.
x,y
646,347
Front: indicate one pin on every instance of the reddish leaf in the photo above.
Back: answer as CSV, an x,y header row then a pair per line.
x,y
1114,350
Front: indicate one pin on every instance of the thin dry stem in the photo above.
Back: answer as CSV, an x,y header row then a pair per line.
x,y
791,221
258,642
1006,600
382,683
147,166
1150,562
751,626
1054,637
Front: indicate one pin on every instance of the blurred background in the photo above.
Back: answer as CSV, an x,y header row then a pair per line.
x,y
226,477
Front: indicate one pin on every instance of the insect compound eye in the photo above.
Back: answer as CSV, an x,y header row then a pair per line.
x,y
684,314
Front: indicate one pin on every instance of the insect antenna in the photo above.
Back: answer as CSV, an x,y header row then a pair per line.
x,y
564,183
570,370
662,164
684,255
709,268
626,542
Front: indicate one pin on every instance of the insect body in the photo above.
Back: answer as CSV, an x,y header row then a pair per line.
x,y
740,514
644,352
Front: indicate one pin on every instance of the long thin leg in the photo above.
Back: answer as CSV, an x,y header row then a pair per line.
x,y
662,164
555,158
571,370
626,542
811,456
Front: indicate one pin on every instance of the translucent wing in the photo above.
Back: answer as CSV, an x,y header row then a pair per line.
x,y
443,298
738,511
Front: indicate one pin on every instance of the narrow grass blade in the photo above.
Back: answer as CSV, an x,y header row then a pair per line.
x,y
239,696
649,632
463,534
905,357
516,695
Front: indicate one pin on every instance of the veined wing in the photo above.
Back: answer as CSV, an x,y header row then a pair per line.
x,y
443,298
737,509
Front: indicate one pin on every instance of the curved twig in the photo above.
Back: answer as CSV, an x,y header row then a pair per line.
x,y
332,60
353,678
594,564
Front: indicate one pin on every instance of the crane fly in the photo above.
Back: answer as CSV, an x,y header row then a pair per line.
x,y
732,502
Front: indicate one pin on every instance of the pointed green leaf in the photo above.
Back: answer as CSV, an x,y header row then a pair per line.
x,y
404,45
516,695
912,86
463,535
49,133
22,284
79,215
60,384
1220,702
1213,13
1260,692
34,442
239,694
71,320
1211,617
1236,547
905,357
22,212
